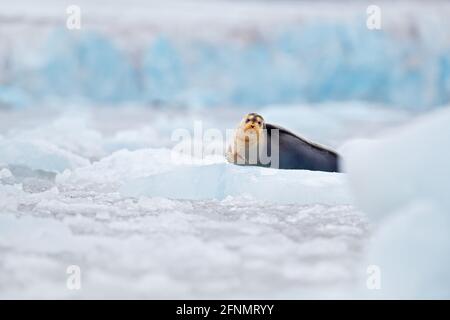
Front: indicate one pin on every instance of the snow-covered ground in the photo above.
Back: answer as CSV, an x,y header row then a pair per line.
x,y
88,176
80,187
161,248
401,180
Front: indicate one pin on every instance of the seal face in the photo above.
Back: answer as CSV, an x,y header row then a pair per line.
x,y
262,144
248,141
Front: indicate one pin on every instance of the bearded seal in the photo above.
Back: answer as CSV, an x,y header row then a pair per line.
x,y
258,143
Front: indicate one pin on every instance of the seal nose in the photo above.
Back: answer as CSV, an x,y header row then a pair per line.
x,y
252,126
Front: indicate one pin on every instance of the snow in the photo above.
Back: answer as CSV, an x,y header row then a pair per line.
x,y
88,175
38,155
178,249
135,221
387,173
5,173
244,232
401,180
218,181
411,250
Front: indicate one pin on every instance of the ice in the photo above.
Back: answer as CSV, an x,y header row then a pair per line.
x,y
107,75
245,232
87,143
218,181
87,175
178,249
13,97
289,53
386,174
38,155
111,171
268,234
164,72
401,180
411,250
9,197
5,174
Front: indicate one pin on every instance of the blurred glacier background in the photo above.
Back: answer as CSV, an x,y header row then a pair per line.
x,y
226,53
86,177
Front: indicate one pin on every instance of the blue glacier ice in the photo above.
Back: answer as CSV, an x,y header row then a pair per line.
x,y
13,96
312,62
86,66
163,72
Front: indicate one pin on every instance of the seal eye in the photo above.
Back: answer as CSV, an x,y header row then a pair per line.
x,y
247,121
259,122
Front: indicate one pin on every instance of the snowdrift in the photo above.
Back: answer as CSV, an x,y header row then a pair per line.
x,y
402,182
38,155
410,164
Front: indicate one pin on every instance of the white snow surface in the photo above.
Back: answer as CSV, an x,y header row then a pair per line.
x,y
218,181
141,226
96,186
235,232
113,202
402,180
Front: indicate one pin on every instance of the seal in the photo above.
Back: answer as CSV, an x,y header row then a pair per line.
x,y
258,143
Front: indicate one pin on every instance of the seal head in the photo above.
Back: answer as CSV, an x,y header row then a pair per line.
x,y
249,140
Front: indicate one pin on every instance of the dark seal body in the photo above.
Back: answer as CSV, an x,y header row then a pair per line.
x,y
298,153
